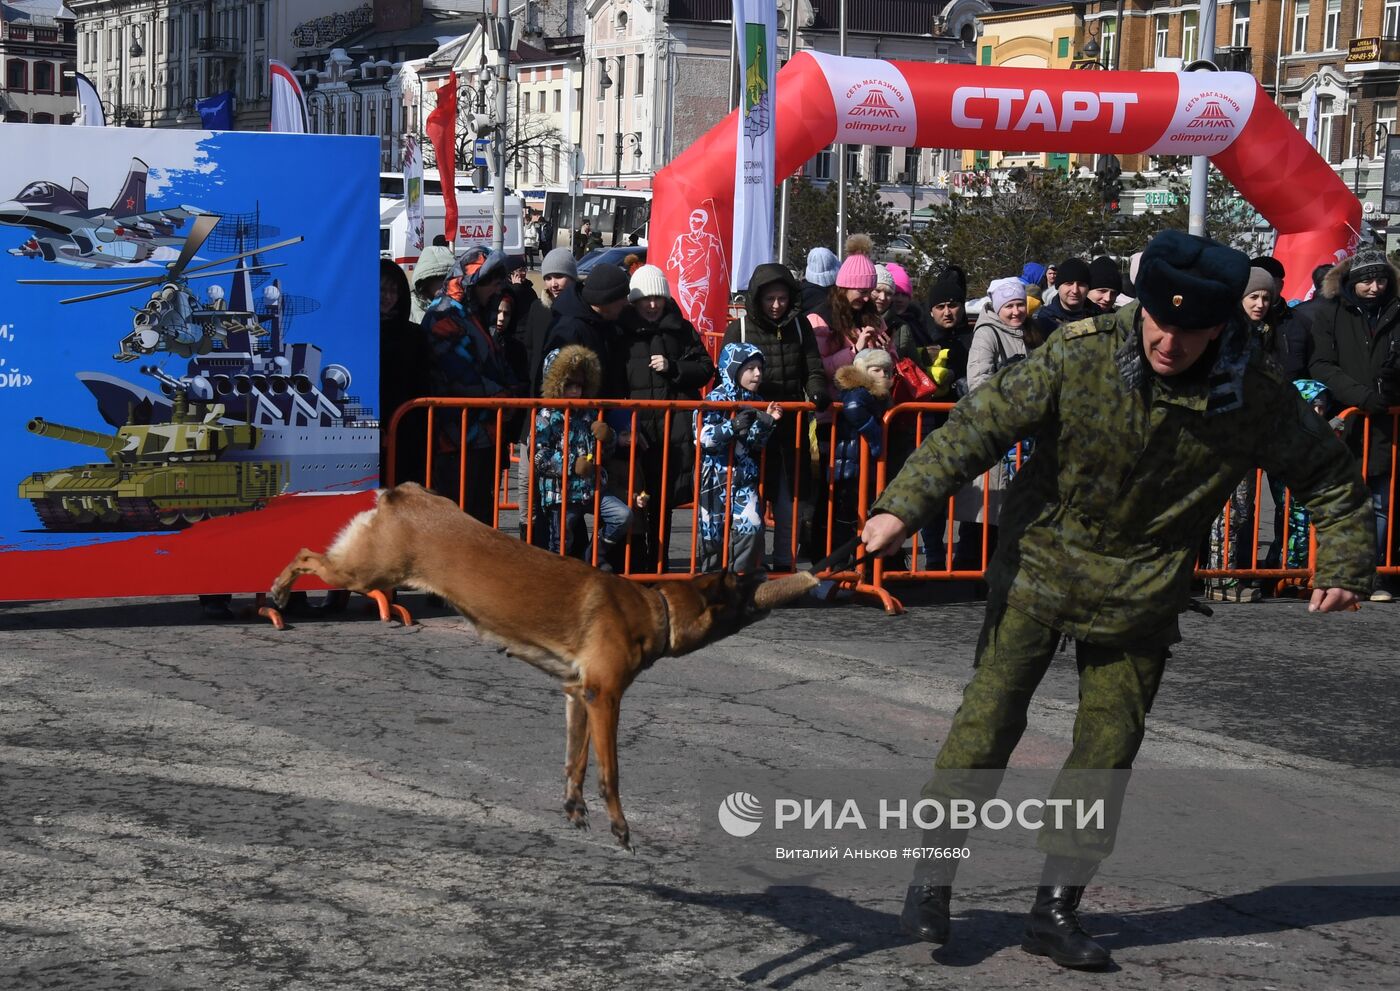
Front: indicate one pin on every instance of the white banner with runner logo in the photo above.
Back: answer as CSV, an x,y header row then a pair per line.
x,y
1211,110
755,166
413,192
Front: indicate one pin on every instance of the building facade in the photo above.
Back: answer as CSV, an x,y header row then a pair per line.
x,y
152,59
37,49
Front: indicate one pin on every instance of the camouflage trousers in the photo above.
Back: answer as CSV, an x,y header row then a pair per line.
x,y
1116,689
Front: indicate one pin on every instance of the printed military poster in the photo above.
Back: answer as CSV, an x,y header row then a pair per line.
x,y
188,355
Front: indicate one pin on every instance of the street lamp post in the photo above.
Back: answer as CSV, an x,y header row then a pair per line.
x,y
607,83
911,177
134,51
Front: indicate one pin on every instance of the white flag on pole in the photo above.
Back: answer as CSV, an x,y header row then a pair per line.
x,y
89,104
413,192
756,31
288,103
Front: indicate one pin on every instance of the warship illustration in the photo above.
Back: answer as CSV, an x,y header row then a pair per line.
x,y
263,409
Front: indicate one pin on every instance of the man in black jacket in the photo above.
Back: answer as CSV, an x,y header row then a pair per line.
x,y
1356,354
590,316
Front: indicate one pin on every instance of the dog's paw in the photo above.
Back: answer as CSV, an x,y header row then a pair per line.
x,y
577,811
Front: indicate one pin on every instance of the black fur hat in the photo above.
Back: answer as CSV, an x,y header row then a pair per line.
x,y
1191,282
949,287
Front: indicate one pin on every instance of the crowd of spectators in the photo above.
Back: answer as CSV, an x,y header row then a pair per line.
x,y
475,325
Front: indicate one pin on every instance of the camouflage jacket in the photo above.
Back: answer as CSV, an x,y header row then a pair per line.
x,y
1101,527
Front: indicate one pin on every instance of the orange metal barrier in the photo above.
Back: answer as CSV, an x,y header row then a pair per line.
x,y
811,449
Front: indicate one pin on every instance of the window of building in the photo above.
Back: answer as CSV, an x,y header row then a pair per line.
x,y
1360,16
69,82
16,117
1239,29
883,154
1188,35
986,54
1332,25
66,119
260,21
641,74
1300,25
822,165
554,164
1326,118
1062,48
911,164
598,160
17,76
1385,121
539,101
558,101
602,71
1159,37
1390,19
853,161
43,77
1108,40
43,118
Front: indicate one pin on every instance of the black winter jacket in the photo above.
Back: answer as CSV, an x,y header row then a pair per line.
x,y
1349,354
792,370
575,322
674,337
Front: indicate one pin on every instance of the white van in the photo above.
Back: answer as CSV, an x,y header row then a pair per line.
x,y
475,218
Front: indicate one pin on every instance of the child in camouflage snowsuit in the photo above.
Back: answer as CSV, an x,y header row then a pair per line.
x,y
742,437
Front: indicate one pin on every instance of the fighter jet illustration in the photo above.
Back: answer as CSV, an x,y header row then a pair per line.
x,y
66,231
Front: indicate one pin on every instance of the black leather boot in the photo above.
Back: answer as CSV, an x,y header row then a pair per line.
x,y
927,903
1053,930
927,911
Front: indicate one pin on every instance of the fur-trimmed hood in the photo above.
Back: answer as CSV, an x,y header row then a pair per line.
x,y
568,362
1335,280
853,377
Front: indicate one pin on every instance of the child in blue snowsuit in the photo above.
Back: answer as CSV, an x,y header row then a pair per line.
x,y
573,372
864,387
740,375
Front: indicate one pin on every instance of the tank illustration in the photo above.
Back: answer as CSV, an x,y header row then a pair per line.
x,y
158,476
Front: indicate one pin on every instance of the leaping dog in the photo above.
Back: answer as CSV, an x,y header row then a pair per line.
x,y
592,630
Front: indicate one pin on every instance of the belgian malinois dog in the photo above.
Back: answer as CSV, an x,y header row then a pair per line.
x,y
592,630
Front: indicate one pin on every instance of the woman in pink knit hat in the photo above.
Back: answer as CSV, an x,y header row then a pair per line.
x,y
847,323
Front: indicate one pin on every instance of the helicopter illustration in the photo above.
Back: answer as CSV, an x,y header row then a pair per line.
x,y
173,320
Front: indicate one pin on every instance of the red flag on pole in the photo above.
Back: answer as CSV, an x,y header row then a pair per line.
x,y
441,129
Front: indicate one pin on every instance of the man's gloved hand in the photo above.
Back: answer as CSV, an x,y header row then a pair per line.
x,y
583,466
745,419
1374,405
821,401
601,431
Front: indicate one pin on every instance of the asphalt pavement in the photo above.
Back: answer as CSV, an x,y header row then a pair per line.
x,y
345,804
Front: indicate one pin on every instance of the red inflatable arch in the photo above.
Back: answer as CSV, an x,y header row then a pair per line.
x,y
824,98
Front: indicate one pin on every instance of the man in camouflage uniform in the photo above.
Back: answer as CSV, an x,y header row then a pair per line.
x,y
1144,421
